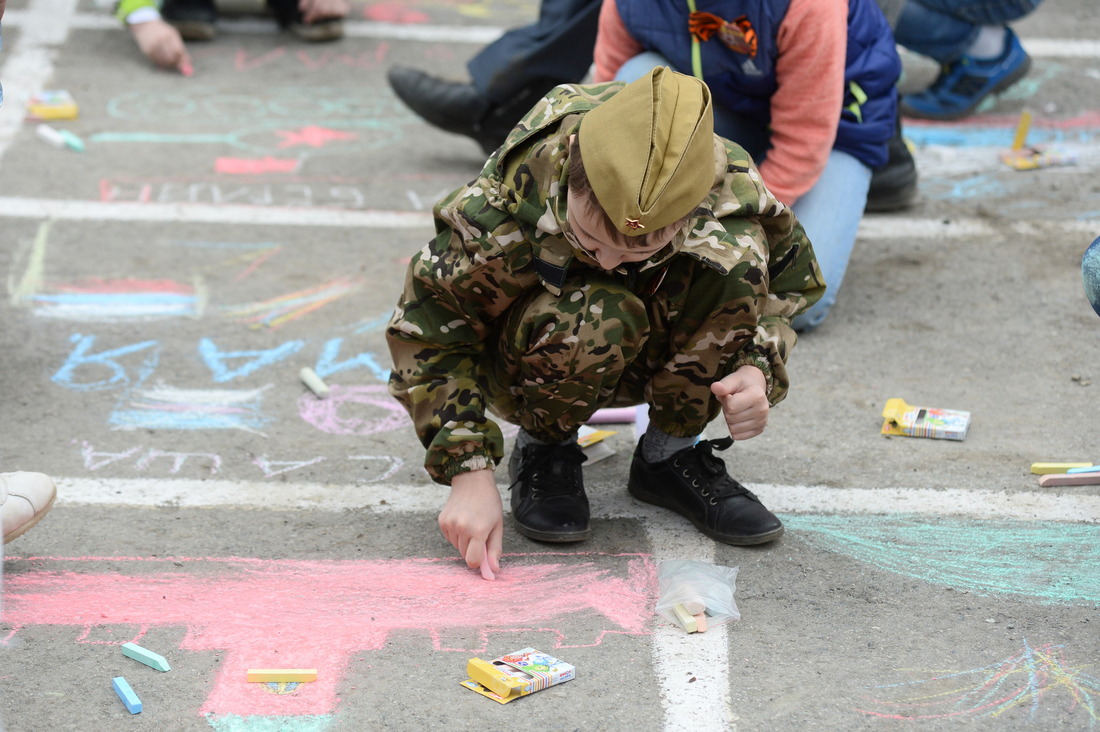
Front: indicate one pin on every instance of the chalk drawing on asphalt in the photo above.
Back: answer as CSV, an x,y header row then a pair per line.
x,y
363,603
1033,674
986,556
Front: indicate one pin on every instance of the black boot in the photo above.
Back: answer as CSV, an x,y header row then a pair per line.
x,y
694,483
194,19
461,108
548,500
448,105
894,185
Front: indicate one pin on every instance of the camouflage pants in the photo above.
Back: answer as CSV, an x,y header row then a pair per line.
x,y
560,358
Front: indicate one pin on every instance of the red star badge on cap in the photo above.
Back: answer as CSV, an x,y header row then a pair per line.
x,y
635,224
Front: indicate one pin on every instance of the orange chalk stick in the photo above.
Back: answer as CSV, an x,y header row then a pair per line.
x,y
282,674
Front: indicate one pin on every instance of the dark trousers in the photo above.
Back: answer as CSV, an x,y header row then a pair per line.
x,y
534,59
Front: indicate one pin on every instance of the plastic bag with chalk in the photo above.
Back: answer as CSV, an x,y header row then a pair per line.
x,y
699,588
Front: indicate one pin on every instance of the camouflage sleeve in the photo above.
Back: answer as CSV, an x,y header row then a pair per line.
x,y
794,282
455,287
739,313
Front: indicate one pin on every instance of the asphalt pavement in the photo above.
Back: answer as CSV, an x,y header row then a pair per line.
x,y
218,233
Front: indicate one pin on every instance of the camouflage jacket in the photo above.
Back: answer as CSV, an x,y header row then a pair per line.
x,y
507,231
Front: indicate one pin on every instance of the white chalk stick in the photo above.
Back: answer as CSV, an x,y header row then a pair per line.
x,y
310,378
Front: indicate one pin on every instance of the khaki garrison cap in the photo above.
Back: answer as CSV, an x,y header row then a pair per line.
x,y
649,151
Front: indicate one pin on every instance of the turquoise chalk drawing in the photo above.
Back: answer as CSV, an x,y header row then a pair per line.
x,y
1037,561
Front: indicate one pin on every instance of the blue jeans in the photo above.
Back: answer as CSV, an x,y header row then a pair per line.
x,y
945,29
830,211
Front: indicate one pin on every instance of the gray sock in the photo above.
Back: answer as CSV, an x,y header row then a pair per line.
x,y
660,446
525,438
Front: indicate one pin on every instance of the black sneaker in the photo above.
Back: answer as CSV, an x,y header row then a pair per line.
x,y
694,483
194,19
548,500
894,186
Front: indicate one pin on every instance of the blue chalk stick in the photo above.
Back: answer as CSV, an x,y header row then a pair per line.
x,y
136,652
1089,469
126,694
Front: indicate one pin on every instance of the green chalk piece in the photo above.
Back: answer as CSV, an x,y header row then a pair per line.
x,y
126,694
136,652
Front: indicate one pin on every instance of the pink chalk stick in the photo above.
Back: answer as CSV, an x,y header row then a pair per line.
x,y
616,415
1055,479
486,572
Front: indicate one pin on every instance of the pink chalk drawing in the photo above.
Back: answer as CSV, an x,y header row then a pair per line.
x,y
271,613
394,12
312,136
256,166
325,414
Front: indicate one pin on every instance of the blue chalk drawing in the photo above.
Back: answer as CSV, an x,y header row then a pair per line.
x,y
327,364
1038,561
82,358
216,360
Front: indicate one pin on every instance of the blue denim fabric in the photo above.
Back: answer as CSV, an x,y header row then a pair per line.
x,y
1090,274
945,29
830,211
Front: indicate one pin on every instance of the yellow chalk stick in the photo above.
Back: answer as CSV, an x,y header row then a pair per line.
x,y
1021,130
282,674
685,618
1048,468
310,378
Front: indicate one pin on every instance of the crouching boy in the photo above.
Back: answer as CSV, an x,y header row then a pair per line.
x,y
612,252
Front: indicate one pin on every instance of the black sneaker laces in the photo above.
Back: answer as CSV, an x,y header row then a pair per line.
x,y
701,462
551,469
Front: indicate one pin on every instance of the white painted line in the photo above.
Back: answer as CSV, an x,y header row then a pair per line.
x,y
692,668
1041,504
49,208
1061,48
28,64
873,226
472,34
424,32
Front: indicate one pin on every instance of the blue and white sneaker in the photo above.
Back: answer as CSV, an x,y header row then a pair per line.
x,y
963,84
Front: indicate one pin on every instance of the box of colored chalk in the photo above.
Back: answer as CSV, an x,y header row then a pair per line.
x,y
900,418
516,674
49,105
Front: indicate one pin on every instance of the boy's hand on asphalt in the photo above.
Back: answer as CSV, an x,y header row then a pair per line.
x,y
314,10
744,398
473,520
161,44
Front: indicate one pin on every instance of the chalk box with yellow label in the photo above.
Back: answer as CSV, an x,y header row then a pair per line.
x,y
904,419
516,674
